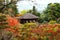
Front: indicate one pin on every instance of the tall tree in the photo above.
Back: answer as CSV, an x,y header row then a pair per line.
x,y
8,6
53,11
34,11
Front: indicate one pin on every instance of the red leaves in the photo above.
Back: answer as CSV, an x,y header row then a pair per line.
x,y
51,31
59,39
36,31
33,38
13,25
0,23
12,21
58,29
10,29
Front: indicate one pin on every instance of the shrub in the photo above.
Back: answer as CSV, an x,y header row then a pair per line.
x,y
43,32
30,24
52,22
9,27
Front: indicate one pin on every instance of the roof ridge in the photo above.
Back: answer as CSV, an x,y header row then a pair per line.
x,y
28,16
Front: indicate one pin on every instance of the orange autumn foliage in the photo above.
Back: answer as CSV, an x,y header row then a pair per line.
x,y
10,29
51,31
12,21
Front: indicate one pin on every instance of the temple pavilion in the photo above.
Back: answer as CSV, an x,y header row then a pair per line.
x,y
28,17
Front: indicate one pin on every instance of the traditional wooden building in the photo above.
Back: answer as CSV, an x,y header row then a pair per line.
x,y
28,17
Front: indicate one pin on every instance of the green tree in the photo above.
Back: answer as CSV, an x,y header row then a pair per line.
x,y
8,6
34,11
24,12
52,11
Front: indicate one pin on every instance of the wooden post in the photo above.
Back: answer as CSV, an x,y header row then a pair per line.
x,y
34,21
30,21
26,21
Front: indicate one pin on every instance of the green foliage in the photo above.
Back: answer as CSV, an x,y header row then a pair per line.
x,y
58,20
52,22
7,35
1,0
53,11
25,30
28,25
34,11
3,23
24,12
14,8
5,8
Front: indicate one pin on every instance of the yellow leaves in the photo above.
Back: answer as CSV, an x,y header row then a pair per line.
x,y
52,22
55,29
18,15
52,5
23,12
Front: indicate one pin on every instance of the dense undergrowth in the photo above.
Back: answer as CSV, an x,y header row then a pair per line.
x,y
13,30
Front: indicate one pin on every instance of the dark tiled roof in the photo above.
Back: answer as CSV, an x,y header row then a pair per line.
x,y
28,16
